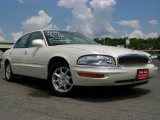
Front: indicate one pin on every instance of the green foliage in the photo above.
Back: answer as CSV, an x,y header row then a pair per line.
x,y
139,44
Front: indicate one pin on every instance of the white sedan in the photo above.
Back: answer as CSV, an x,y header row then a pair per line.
x,y
68,59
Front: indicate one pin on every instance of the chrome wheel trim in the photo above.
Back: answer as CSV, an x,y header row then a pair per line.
x,y
62,80
8,71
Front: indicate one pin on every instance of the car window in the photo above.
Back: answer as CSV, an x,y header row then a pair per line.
x,y
34,36
64,37
21,43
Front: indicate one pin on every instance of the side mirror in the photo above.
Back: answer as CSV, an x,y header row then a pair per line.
x,y
38,43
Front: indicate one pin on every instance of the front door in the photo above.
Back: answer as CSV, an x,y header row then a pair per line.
x,y
33,61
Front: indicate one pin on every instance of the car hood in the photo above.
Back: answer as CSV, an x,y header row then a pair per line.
x,y
106,50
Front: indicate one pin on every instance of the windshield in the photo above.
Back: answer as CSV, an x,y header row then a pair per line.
x,y
64,37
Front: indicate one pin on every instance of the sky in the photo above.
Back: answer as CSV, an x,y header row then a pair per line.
x,y
94,18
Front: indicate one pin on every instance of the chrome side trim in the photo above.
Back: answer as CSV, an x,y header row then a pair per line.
x,y
98,67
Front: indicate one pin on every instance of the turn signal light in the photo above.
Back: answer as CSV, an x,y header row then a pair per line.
x,y
91,75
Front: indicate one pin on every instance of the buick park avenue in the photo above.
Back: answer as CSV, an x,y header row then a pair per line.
x,y
69,59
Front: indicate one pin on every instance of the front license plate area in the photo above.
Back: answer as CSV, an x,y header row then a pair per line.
x,y
142,74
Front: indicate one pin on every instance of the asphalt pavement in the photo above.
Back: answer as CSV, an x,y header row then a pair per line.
x,y
30,99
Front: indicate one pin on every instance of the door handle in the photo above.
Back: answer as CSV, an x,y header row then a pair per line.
x,y
25,52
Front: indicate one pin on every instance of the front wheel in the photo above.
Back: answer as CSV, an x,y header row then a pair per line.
x,y
61,80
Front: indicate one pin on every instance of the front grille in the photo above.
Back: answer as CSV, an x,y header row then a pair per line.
x,y
133,60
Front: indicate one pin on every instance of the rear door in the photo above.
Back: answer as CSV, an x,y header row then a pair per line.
x,y
17,55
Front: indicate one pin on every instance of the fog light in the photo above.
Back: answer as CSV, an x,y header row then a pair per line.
x,y
91,75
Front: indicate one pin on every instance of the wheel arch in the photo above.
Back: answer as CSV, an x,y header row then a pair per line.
x,y
6,61
54,60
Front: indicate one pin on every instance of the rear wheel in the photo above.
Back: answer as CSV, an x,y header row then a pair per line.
x,y
61,80
8,73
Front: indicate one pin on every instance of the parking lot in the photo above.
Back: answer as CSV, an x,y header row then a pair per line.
x,y
30,99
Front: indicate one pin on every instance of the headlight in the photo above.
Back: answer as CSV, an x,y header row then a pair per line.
x,y
98,60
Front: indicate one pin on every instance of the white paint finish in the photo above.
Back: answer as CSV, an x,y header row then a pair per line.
x,y
111,75
34,62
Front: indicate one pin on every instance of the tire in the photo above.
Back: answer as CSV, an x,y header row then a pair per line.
x,y
8,73
60,80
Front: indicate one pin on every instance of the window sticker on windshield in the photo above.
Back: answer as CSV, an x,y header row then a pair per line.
x,y
55,37
54,41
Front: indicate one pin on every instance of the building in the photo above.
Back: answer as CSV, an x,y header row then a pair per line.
x,y
4,46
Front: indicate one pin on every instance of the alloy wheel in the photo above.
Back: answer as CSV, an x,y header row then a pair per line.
x,y
8,71
62,80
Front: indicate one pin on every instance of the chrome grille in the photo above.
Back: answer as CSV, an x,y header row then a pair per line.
x,y
132,60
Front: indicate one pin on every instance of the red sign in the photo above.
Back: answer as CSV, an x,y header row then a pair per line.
x,y
142,74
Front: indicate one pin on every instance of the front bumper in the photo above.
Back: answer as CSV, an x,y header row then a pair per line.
x,y
113,76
